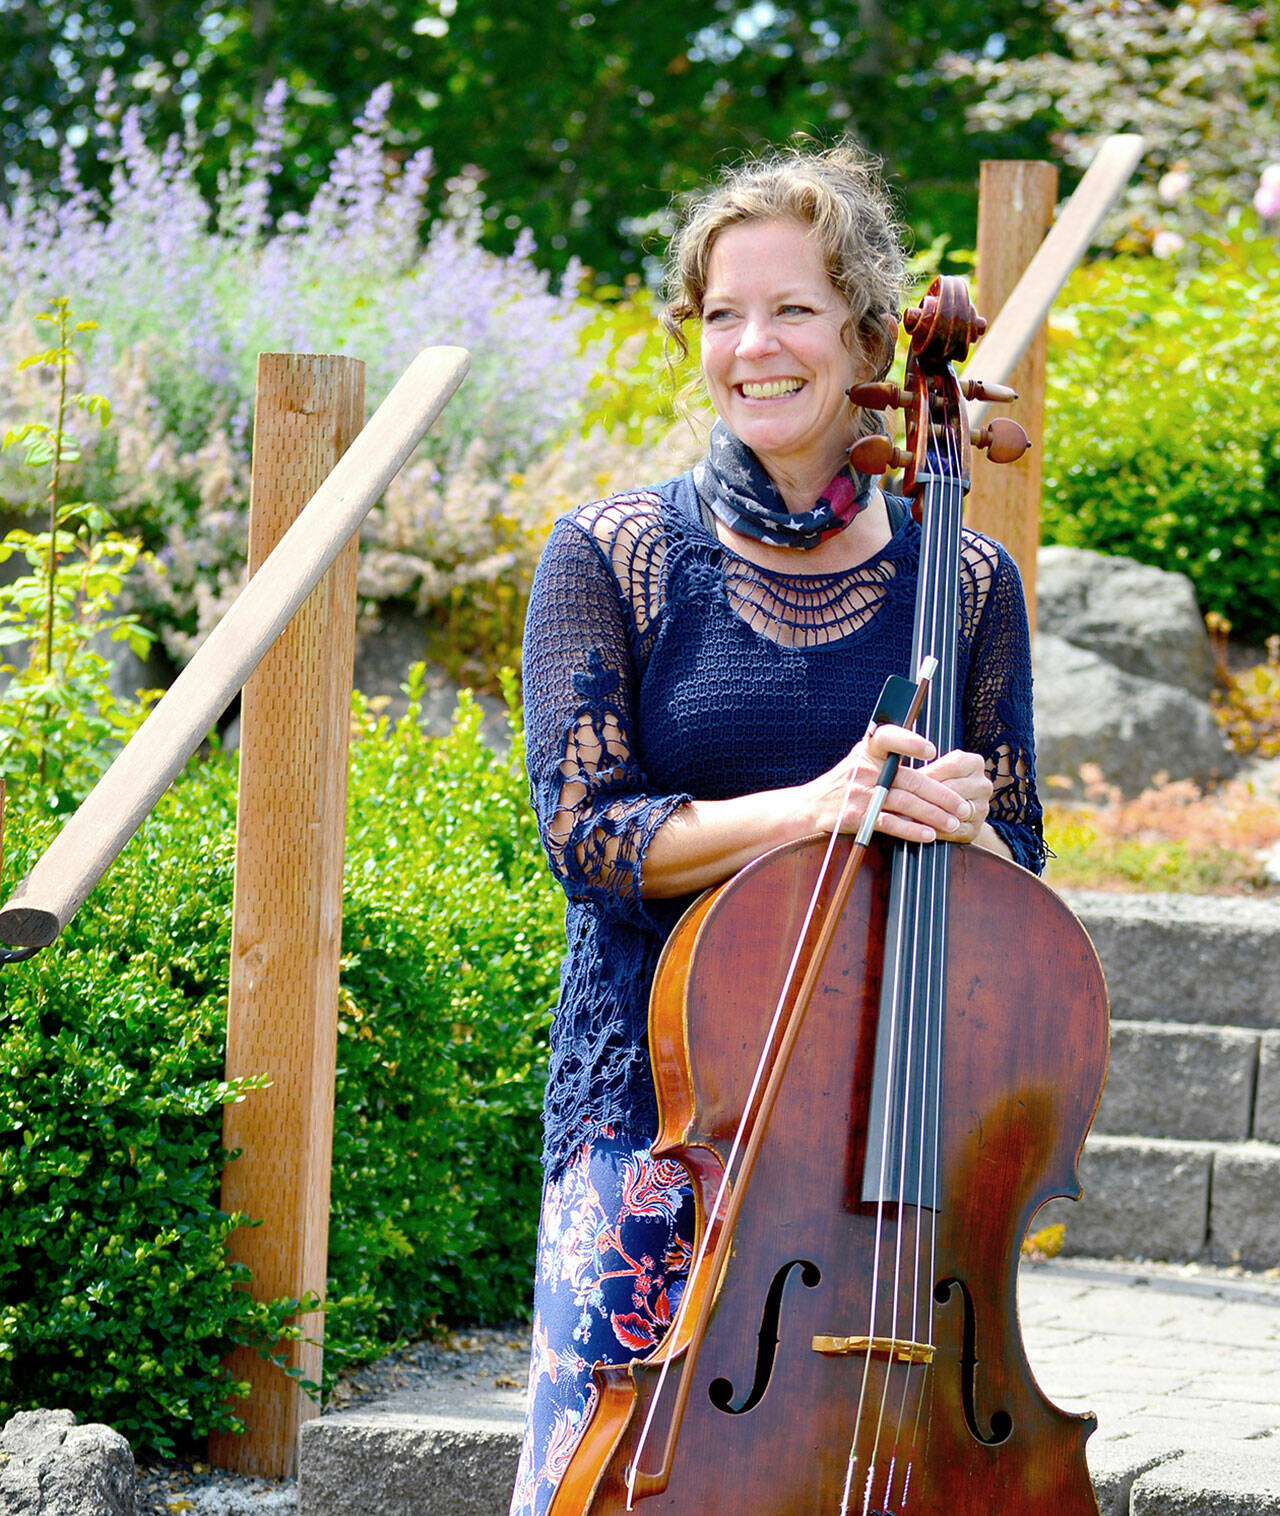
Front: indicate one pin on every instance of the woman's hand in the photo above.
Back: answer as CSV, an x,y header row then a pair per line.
x,y
944,799
705,841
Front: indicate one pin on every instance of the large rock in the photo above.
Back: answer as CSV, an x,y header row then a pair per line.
x,y
1090,711
1143,620
49,1466
384,657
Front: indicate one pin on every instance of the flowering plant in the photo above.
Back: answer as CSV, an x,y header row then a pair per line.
x,y
60,721
188,294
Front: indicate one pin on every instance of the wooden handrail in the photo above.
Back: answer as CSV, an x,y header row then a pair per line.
x,y
50,895
1010,334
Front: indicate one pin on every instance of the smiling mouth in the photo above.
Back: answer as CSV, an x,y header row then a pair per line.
x,y
770,389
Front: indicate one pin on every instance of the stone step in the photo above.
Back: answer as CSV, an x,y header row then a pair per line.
x,y
1181,1369
1192,1083
1193,958
1150,1197
427,1453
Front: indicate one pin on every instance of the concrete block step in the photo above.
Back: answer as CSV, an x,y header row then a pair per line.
x,y
436,1452
1178,1201
1193,1083
1195,958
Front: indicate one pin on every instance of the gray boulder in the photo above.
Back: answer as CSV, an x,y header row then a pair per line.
x,y
1088,711
1143,620
49,1466
384,657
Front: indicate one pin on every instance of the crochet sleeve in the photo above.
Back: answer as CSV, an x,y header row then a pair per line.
x,y
997,705
596,810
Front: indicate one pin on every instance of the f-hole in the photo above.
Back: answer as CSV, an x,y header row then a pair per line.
x,y
721,1390
1001,1421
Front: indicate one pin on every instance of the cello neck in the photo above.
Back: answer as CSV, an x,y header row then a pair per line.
x,y
902,1164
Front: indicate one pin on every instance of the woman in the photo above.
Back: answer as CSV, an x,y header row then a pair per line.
x,y
701,662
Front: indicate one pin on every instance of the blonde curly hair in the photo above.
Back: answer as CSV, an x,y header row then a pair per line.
x,y
838,196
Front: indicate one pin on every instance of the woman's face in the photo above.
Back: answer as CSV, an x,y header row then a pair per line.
x,y
773,355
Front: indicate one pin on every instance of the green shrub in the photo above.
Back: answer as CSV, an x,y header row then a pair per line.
x,y
452,940
115,1296
1163,422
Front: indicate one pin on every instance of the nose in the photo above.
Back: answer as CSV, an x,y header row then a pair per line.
x,y
757,338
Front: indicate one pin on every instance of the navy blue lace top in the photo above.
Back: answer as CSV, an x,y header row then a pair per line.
x,y
661,667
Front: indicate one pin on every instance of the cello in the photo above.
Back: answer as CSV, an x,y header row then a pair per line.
x,y
872,1098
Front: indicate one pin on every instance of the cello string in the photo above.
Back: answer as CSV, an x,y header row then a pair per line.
x,y
924,988
952,630
940,859
905,992
894,970
920,987
739,1136
904,905
943,557
905,1002
895,977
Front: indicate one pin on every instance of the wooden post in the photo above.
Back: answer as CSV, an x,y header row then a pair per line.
x,y
1015,209
287,915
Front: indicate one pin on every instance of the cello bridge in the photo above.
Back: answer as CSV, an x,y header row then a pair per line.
x,y
895,1348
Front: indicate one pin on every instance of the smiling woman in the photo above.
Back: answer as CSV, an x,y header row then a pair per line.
x,y
775,357
702,659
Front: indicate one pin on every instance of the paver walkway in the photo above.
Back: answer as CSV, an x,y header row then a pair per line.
x,y
1181,1368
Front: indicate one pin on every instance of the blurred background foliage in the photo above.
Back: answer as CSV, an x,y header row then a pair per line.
x,y
577,119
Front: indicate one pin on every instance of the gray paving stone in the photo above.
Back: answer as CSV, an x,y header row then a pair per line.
x,y
1266,1105
1192,958
1244,1217
1143,1197
1116,1462
1229,1481
1183,1082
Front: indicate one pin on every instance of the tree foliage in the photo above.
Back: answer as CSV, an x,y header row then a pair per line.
x,y
1199,79
576,118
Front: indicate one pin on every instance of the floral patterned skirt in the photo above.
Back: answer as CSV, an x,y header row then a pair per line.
x,y
614,1247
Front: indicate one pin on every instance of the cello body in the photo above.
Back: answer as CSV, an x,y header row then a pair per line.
x,y
863,1357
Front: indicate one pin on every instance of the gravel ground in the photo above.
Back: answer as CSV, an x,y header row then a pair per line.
x,y
477,1357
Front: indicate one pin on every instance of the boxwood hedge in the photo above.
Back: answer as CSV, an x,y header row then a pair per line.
x,y
115,1296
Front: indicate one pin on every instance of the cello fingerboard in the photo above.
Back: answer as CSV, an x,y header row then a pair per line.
x,y
902,1164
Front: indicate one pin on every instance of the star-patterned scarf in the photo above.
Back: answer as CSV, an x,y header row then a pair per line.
x,y
733,483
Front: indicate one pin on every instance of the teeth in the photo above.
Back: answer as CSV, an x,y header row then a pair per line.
x,y
770,388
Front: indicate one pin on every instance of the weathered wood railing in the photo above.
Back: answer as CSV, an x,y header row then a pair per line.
x,y
111,813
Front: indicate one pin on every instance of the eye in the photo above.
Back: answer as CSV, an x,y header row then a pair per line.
x,y
716,316
795,310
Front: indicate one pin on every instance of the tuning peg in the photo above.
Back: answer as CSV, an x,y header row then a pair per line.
x,y
885,396
1002,440
877,455
996,394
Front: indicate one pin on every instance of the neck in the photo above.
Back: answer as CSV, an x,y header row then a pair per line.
x,y
865,536
800,488
801,482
